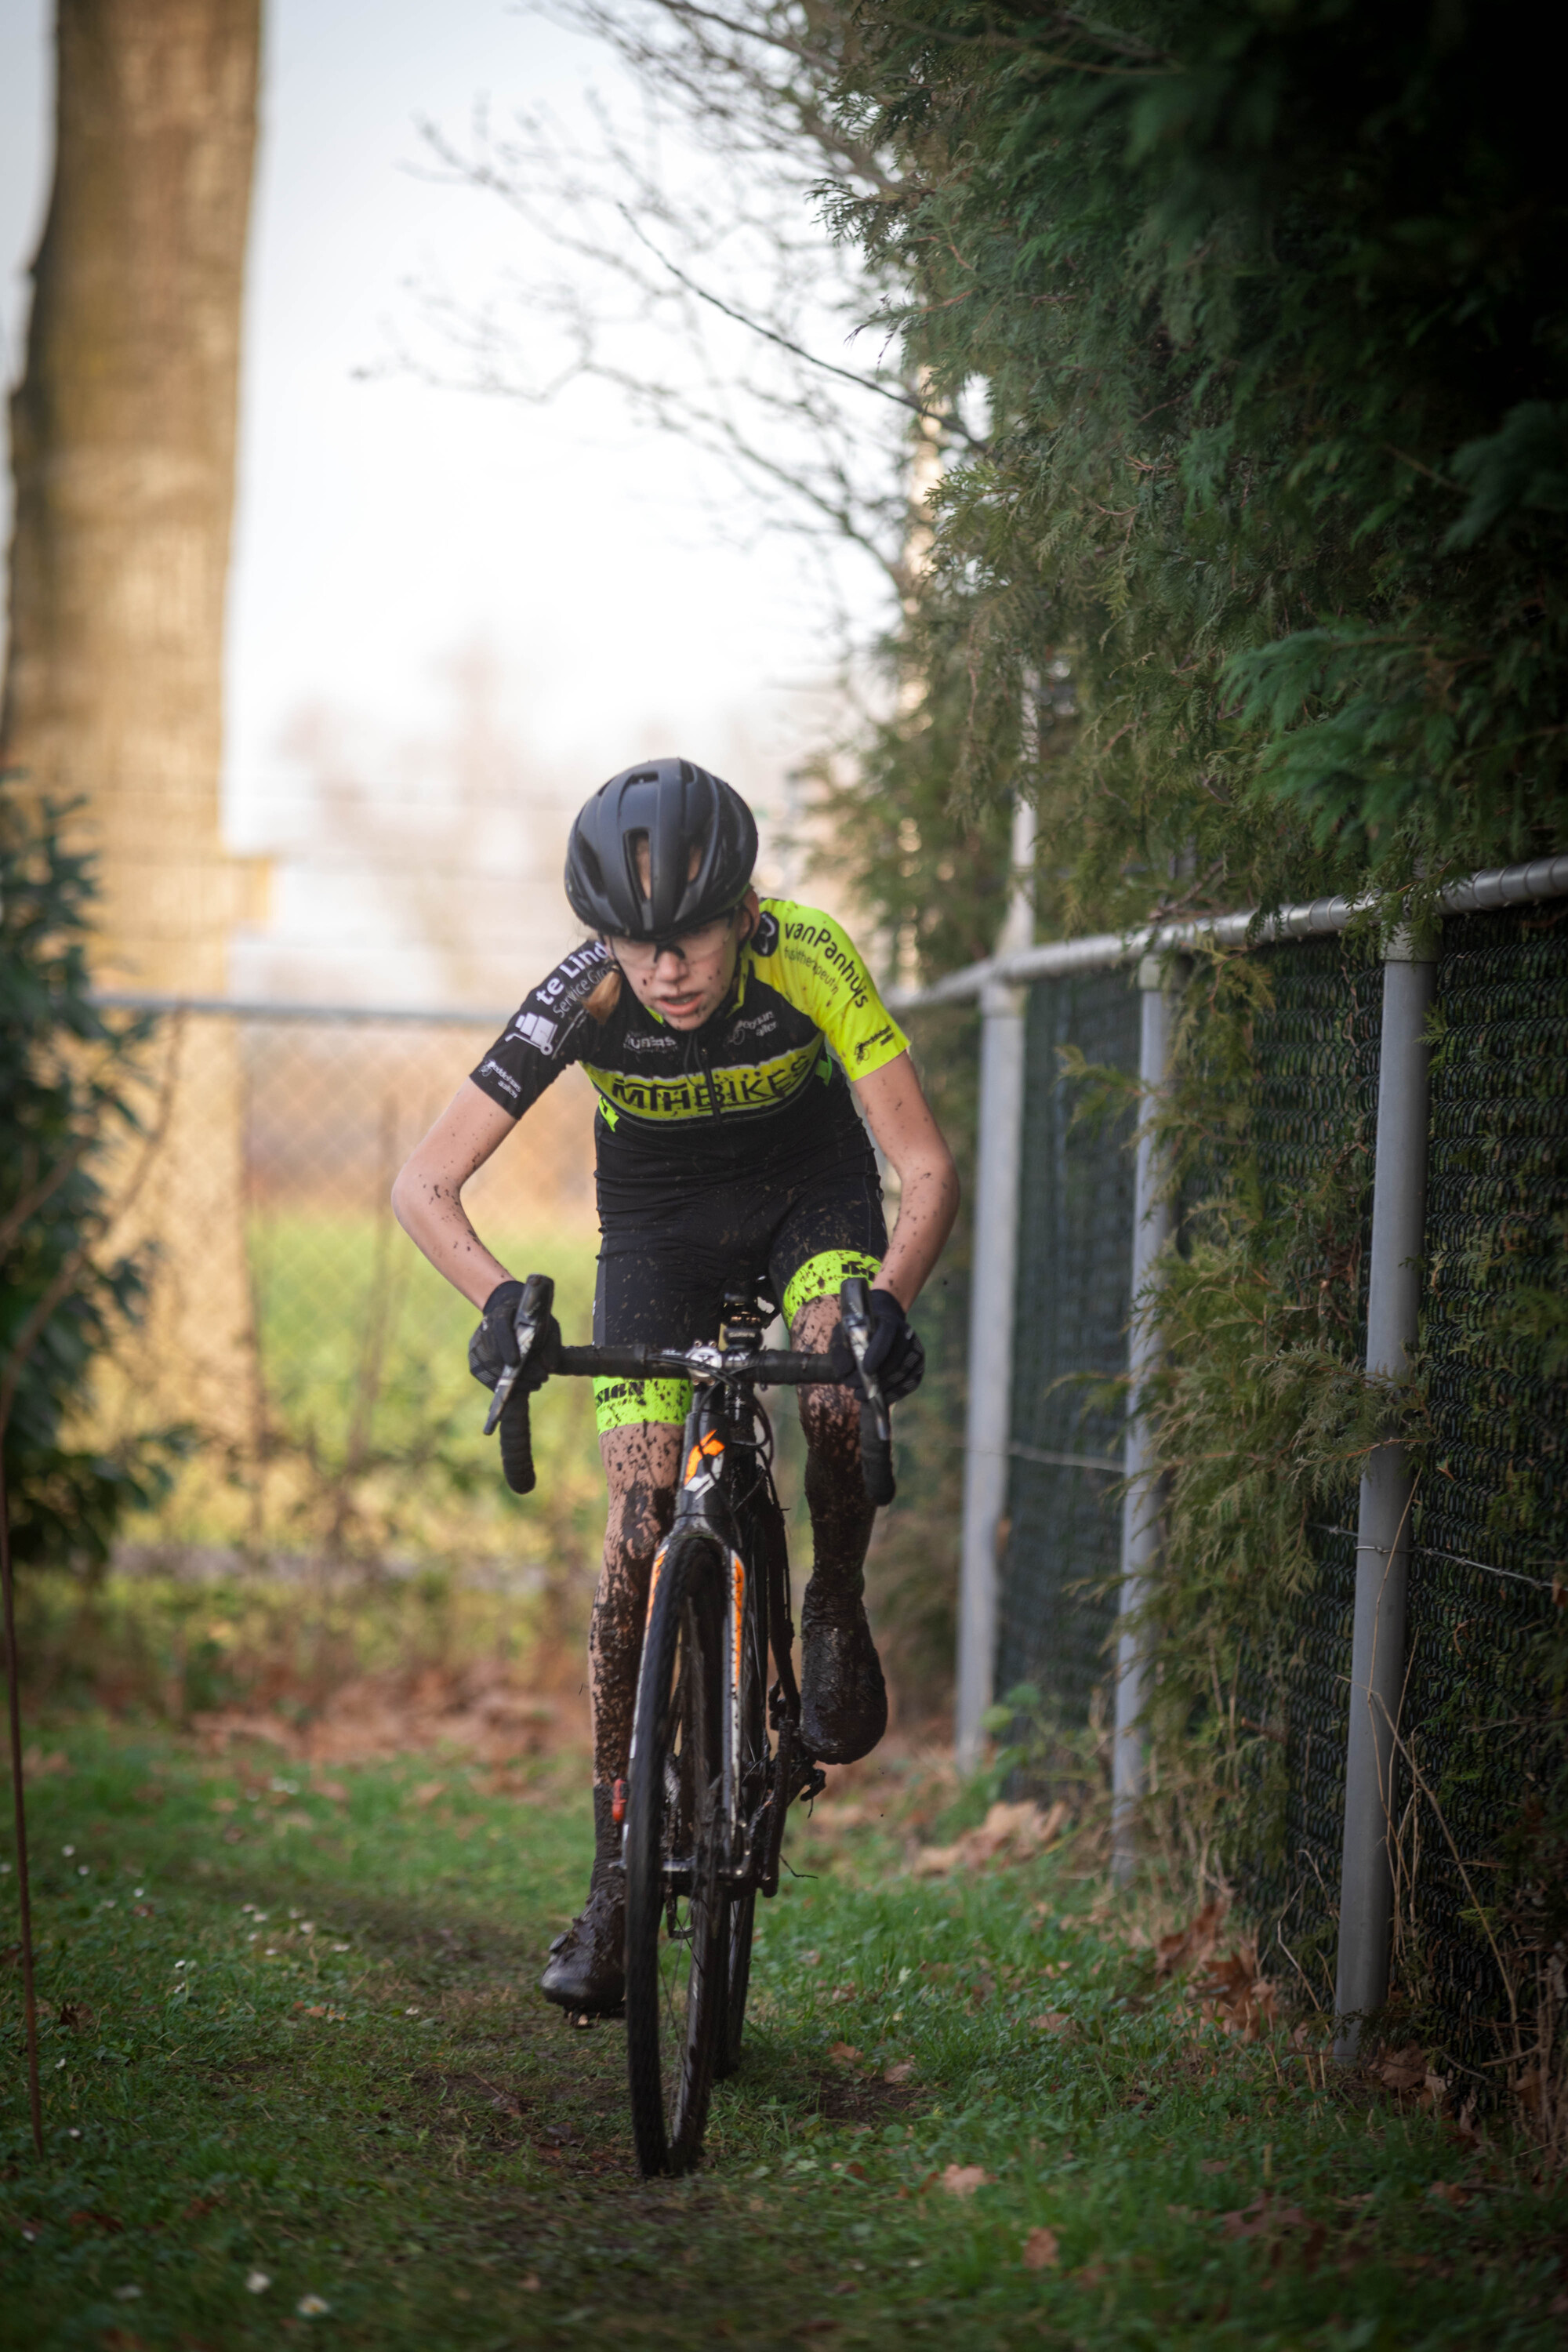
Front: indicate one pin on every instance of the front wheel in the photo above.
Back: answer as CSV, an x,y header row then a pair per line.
x,y
757,1770
677,1918
738,1939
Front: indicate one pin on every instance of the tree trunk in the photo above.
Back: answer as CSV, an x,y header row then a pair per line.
x,y
123,454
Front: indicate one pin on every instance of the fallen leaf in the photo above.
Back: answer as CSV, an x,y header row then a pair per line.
x,y
843,2052
1450,2193
531,2284
1191,1944
964,2179
1008,1834
1215,2163
900,2072
426,1792
1040,2250
1053,2021
1262,2219
1235,1998
1402,2070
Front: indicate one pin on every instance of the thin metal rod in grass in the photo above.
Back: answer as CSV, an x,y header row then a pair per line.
x,y
18,1800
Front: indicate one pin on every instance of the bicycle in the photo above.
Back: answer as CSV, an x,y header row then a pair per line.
x,y
703,1805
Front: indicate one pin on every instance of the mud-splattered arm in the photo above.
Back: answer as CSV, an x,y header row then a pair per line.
x,y
900,1119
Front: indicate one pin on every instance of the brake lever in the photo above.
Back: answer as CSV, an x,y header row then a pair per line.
x,y
532,1315
855,1314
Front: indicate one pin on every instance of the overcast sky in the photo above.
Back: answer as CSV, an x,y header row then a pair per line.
x,y
383,526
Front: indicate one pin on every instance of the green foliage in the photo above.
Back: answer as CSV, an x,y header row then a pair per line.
x,y
1265,308
1262,1414
67,1088
1267,305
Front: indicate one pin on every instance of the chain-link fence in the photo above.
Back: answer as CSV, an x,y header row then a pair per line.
x,y
333,1417
1060,1549
1490,1531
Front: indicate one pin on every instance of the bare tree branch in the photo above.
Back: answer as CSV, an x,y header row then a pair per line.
x,y
722,182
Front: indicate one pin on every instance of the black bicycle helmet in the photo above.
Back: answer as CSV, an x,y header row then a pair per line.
x,y
682,810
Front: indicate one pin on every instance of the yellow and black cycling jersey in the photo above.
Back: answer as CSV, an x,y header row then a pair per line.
x,y
760,1084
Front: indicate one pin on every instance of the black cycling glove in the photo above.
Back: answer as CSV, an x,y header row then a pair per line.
x,y
494,1345
893,1352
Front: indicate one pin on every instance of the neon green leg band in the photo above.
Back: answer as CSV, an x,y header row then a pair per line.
x,y
821,1276
621,1404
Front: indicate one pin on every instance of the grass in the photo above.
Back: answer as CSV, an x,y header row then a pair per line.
x,y
371,1444
291,2035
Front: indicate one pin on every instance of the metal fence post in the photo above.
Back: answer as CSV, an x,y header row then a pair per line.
x,y
989,1426
1151,1224
1382,1530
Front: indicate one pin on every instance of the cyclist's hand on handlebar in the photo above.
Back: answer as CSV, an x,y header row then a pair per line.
x,y
893,1353
494,1345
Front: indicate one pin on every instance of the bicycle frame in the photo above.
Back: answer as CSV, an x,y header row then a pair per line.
x,y
724,1380
756,1597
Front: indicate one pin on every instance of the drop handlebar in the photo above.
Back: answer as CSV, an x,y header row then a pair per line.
x,y
538,1343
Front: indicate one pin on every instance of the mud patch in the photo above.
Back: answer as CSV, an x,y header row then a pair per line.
x,y
864,2099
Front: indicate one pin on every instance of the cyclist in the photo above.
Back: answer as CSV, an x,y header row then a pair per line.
x,y
728,1038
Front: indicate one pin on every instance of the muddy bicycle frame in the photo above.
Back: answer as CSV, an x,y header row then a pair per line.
x,y
722,1423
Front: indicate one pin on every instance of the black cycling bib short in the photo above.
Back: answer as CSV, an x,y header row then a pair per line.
x,y
732,1153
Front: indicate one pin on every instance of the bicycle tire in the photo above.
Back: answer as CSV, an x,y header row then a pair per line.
x,y
673,1800
763,1528
743,1914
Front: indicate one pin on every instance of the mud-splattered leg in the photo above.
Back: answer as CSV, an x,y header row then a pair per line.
x,y
640,1466
844,1701
586,1970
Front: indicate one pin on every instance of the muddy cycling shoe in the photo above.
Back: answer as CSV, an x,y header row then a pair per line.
x,y
843,1698
587,1967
